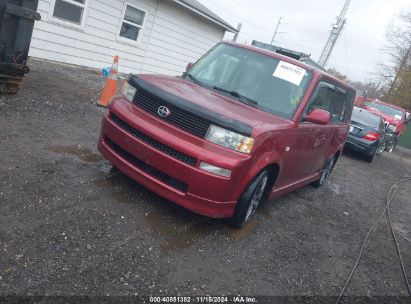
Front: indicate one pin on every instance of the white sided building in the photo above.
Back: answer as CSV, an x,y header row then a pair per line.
x,y
149,36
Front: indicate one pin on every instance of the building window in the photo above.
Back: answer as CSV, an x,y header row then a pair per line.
x,y
69,10
132,23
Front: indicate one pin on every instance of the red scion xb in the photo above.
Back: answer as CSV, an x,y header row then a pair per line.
x,y
242,124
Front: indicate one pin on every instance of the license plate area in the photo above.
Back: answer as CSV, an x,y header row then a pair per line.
x,y
354,129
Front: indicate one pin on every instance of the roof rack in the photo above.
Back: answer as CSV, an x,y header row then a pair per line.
x,y
300,56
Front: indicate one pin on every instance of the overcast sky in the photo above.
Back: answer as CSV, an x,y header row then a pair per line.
x,y
306,26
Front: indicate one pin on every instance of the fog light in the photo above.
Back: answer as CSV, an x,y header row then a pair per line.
x,y
215,170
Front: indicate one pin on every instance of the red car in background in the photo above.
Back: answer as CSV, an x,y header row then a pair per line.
x,y
394,116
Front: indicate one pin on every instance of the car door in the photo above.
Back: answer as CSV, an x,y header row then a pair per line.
x,y
305,152
340,109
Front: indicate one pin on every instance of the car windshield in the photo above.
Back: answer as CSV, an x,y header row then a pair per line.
x,y
364,117
259,80
387,110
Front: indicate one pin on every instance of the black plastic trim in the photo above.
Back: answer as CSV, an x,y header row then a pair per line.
x,y
213,117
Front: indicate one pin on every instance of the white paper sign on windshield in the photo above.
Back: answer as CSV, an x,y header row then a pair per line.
x,y
289,72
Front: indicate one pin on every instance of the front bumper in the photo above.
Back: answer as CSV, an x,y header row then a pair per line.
x,y
361,145
160,157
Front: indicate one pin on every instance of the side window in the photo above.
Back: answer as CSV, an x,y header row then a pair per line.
x,y
332,99
322,98
132,23
69,10
339,106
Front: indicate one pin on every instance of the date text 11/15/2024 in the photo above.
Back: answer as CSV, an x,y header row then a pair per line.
x,y
203,299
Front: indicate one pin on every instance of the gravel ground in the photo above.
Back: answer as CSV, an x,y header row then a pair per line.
x,y
70,225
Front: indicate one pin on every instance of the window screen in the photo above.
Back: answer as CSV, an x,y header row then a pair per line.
x,y
132,23
69,10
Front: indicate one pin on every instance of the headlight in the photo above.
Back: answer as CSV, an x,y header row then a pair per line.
x,y
230,139
129,91
393,128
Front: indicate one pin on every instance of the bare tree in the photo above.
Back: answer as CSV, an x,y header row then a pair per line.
x,y
396,73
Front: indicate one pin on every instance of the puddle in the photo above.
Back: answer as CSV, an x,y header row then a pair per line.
x,y
82,153
246,231
334,187
177,234
265,209
107,168
176,227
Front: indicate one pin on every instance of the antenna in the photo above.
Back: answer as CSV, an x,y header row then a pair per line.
x,y
335,33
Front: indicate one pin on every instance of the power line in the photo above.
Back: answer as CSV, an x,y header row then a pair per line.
x,y
244,19
248,10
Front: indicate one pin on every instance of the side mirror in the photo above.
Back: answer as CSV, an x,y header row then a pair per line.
x,y
188,67
318,116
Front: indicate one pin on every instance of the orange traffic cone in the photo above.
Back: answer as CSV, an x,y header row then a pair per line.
x,y
110,88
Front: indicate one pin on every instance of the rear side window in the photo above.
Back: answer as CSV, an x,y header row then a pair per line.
x,y
333,99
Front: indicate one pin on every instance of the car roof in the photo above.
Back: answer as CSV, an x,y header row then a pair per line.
x,y
388,104
293,61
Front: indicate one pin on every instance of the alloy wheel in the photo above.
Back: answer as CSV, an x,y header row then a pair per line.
x,y
257,196
327,170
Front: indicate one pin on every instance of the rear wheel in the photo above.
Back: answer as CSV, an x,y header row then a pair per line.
x,y
381,148
369,158
250,200
327,169
391,144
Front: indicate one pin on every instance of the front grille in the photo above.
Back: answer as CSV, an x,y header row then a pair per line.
x,y
167,179
154,143
180,118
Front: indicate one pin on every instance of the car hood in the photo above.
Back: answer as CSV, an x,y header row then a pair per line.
x,y
387,118
215,102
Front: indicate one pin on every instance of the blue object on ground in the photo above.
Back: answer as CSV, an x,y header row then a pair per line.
x,y
105,71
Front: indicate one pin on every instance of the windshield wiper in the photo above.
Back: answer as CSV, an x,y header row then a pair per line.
x,y
240,97
195,80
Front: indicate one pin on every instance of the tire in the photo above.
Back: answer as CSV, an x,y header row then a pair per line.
x,y
250,200
369,158
325,172
391,144
381,148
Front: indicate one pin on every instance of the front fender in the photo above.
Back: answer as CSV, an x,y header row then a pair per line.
x,y
261,161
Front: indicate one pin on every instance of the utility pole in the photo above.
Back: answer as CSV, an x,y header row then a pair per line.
x,y
335,33
276,29
239,26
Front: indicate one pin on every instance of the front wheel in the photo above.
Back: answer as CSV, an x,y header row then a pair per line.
x,y
250,200
327,169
